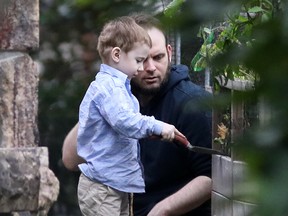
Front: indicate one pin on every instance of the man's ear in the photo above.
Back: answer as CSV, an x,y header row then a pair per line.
x,y
115,54
169,51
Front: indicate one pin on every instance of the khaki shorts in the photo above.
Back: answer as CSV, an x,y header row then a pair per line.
x,y
96,199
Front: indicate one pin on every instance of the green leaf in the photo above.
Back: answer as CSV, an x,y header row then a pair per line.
x,y
255,9
242,19
173,8
207,30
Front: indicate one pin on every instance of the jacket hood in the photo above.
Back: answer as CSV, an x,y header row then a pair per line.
x,y
177,74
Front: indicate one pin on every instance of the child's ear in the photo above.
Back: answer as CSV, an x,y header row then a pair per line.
x,y
115,53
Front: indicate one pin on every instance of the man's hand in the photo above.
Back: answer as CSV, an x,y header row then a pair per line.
x,y
70,157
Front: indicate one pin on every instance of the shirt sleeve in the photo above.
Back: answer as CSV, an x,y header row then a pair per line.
x,y
116,107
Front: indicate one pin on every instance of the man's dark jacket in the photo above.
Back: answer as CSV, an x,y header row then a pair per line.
x,y
167,166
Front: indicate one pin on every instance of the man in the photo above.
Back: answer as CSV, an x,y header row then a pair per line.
x,y
178,181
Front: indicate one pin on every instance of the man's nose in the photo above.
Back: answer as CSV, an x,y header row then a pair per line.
x,y
149,65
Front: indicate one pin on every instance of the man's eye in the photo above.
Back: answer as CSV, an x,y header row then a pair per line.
x,y
158,57
139,60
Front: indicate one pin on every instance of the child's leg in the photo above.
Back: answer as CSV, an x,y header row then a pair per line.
x,y
100,200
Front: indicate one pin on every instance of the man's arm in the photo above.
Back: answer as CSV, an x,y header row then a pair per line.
x,y
70,157
197,128
187,198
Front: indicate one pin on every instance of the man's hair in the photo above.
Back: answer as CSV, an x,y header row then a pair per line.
x,y
147,22
122,32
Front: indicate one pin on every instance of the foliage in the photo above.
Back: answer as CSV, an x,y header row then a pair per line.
x,y
253,42
234,33
173,8
225,43
263,51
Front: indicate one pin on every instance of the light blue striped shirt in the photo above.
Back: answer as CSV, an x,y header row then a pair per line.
x,y
109,126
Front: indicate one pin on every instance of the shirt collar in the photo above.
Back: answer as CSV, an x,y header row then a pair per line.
x,y
114,72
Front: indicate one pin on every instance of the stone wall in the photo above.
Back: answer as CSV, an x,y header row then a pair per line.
x,y
27,185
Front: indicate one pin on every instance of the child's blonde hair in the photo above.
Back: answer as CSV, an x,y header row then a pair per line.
x,y
122,32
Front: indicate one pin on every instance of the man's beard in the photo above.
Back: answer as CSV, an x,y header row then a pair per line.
x,y
137,90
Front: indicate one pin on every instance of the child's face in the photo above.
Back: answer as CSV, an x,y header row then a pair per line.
x,y
132,62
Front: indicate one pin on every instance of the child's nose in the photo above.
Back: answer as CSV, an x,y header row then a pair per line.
x,y
141,68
